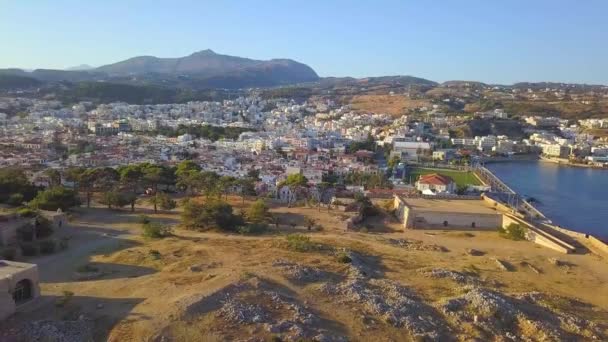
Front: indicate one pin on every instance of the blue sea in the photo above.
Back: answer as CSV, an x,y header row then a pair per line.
x,y
573,198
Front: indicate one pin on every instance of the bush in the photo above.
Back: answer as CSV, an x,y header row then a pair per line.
x,y
63,301
344,258
154,254
155,230
212,214
47,246
253,229
8,253
15,200
55,198
26,212
43,227
258,212
115,199
299,243
29,249
513,232
143,219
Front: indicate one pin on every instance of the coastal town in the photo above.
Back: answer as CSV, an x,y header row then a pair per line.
x,y
420,171
318,171
318,137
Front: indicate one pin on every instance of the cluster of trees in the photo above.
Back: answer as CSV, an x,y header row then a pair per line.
x,y
215,213
369,144
368,180
191,179
15,187
120,187
212,133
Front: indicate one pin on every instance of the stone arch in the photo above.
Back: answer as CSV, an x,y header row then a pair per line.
x,y
24,291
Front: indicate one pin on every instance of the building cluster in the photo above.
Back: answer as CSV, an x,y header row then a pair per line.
x,y
317,138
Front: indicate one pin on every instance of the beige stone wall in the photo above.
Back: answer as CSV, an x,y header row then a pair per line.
x,y
402,211
8,283
497,205
7,305
421,220
599,244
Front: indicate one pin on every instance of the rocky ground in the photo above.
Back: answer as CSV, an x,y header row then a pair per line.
x,y
384,285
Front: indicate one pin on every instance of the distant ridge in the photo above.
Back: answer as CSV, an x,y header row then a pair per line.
x,y
219,70
80,67
202,69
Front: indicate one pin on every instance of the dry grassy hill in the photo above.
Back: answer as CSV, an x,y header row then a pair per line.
x,y
383,284
395,105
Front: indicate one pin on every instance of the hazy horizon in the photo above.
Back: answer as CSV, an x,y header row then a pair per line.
x,y
495,43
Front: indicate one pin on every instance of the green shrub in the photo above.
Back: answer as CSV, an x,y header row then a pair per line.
x,y
44,227
47,246
54,198
154,254
63,301
344,258
299,243
29,249
8,253
143,219
15,200
253,229
513,231
26,212
155,230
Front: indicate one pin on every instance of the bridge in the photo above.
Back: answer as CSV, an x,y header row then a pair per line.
x,y
505,194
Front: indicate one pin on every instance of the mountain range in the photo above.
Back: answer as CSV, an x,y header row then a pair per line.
x,y
203,69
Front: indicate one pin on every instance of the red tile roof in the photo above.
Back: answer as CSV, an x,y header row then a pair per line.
x,y
435,179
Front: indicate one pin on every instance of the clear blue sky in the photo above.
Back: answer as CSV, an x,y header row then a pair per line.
x,y
485,40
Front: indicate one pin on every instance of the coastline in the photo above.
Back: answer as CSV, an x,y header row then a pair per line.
x,y
597,243
566,162
580,232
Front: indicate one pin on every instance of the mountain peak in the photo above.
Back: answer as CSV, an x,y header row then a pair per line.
x,y
207,52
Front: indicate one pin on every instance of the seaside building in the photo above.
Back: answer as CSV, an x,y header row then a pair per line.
x,y
435,184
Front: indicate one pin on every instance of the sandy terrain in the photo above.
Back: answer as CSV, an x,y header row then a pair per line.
x,y
214,286
395,105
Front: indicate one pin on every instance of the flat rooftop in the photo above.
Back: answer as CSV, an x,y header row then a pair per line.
x,y
8,268
449,205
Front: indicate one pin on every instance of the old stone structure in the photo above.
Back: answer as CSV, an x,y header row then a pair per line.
x,y
18,286
446,213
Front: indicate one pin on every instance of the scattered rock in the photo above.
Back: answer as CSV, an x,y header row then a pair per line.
x,y
58,331
532,267
503,265
416,245
394,303
459,277
195,268
99,306
500,314
475,252
556,262
242,313
297,272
